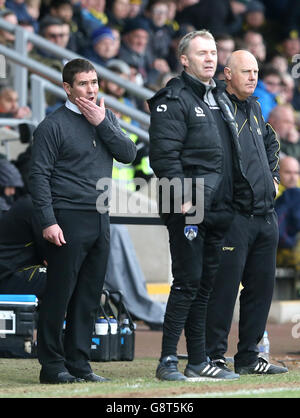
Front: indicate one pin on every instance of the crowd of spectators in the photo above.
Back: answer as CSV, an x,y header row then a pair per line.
x,y
144,34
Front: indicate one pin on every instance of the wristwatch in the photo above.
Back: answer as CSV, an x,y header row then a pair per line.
x,y
277,180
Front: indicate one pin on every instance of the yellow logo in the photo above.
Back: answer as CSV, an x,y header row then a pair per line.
x,y
228,248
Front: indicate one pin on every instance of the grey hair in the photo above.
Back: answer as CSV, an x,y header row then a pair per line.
x,y
185,41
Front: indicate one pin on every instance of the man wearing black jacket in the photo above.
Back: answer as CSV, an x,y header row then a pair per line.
x,y
249,251
22,250
73,148
191,139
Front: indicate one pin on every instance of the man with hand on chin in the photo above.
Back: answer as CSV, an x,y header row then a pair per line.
x,y
72,149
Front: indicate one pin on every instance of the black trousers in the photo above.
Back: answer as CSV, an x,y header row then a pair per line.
x,y
194,266
75,277
249,258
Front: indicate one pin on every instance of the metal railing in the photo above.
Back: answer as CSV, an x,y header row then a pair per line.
x,y
40,85
25,64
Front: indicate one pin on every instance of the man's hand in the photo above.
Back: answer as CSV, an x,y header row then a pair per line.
x,y
54,234
186,207
93,113
23,112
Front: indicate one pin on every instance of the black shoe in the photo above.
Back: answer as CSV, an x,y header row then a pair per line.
x,y
221,363
92,377
167,369
260,366
62,377
209,370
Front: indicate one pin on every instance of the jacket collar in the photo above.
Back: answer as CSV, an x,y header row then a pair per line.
x,y
197,85
242,104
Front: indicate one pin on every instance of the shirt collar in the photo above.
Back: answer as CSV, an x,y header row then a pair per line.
x,y
72,106
208,86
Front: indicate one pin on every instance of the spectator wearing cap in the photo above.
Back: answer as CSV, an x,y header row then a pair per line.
x,y
136,50
254,15
10,181
290,44
134,46
102,46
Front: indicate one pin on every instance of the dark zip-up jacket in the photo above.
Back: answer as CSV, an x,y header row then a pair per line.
x,y
21,241
185,141
260,159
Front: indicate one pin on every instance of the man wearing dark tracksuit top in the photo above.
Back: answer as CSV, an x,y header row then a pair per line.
x,y
73,148
191,138
249,251
22,250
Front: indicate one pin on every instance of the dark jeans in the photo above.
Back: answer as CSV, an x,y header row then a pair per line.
x,y
194,266
249,258
75,277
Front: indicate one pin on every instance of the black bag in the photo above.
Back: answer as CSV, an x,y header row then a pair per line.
x,y
18,314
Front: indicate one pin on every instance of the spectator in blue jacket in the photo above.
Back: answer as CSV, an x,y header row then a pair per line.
x,y
268,88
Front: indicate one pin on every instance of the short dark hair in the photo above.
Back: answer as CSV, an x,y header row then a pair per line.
x,y
49,21
56,4
267,70
224,37
77,65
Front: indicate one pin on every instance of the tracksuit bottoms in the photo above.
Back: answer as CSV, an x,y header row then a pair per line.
x,y
194,266
248,258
